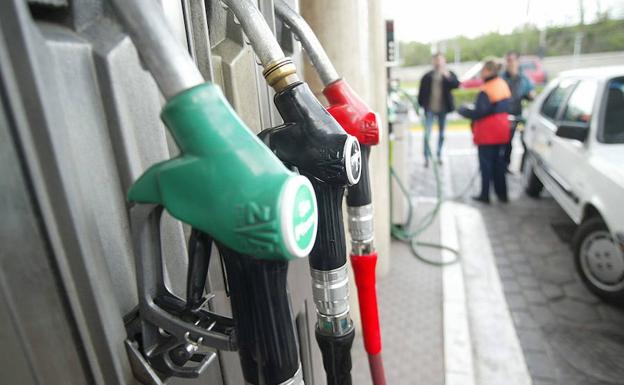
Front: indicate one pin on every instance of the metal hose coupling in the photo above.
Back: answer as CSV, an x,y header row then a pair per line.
x,y
361,229
281,73
330,290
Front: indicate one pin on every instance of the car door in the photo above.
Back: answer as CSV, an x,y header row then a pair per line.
x,y
542,128
568,157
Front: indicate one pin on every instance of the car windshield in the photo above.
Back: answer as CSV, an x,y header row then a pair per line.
x,y
613,124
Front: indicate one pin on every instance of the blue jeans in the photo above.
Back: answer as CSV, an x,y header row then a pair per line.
x,y
492,165
429,117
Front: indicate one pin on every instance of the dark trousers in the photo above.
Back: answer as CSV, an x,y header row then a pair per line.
x,y
429,117
492,165
508,145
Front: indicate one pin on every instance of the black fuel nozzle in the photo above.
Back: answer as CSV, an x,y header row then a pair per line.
x,y
312,141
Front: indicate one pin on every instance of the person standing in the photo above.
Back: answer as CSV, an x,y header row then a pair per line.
x,y
491,130
434,96
522,88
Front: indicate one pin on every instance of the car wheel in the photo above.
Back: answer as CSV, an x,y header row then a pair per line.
x,y
599,260
532,185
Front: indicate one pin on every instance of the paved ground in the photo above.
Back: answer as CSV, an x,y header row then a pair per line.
x,y
568,336
410,301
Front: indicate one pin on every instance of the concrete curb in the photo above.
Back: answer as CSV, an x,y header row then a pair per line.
x,y
497,356
458,360
480,342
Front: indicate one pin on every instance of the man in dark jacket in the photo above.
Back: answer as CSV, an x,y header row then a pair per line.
x,y
435,97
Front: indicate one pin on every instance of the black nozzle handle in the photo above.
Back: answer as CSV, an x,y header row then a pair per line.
x,y
268,347
199,247
336,352
360,194
311,139
329,251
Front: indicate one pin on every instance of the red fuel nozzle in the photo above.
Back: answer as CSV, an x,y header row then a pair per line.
x,y
353,114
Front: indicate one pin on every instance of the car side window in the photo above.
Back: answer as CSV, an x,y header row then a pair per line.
x,y
581,102
613,125
554,100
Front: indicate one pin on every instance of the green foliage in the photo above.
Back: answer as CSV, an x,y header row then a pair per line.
x,y
465,95
605,35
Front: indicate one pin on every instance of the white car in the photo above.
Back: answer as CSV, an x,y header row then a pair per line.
x,y
574,138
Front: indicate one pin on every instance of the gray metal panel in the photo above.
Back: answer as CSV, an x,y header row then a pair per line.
x,y
42,133
33,311
89,126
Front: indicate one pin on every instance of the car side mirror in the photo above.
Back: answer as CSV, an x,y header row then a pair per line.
x,y
573,130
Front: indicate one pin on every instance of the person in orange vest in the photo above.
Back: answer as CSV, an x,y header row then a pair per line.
x,y
491,130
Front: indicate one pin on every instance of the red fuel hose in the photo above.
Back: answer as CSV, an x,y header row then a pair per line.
x,y
357,119
364,272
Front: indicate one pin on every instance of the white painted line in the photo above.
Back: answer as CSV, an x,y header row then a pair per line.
x,y
461,151
498,358
458,360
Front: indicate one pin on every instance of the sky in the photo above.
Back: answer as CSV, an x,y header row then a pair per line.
x,y
435,20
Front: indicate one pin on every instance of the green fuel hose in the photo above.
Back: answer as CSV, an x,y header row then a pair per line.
x,y
410,232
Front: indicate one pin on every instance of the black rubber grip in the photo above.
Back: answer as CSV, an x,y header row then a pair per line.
x,y
336,352
267,342
329,251
360,193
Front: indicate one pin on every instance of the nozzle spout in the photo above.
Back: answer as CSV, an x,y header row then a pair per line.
x,y
169,63
326,70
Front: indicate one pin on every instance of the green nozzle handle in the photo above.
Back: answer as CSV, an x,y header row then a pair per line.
x,y
227,183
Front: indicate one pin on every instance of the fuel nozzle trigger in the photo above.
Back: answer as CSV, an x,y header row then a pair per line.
x,y
169,332
199,248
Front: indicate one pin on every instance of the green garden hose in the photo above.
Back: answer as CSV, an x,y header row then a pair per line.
x,y
410,232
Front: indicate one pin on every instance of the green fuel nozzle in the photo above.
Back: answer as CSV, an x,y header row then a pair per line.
x,y
232,190
227,183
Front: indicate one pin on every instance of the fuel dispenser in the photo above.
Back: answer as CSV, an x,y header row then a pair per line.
x,y
234,192
357,119
311,141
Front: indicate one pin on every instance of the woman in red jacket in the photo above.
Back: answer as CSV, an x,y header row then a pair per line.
x,y
491,130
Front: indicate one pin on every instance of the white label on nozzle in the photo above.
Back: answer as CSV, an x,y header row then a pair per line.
x,y
353,159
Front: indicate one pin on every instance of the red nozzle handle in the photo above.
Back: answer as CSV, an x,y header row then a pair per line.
x,y
353,114
364,272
